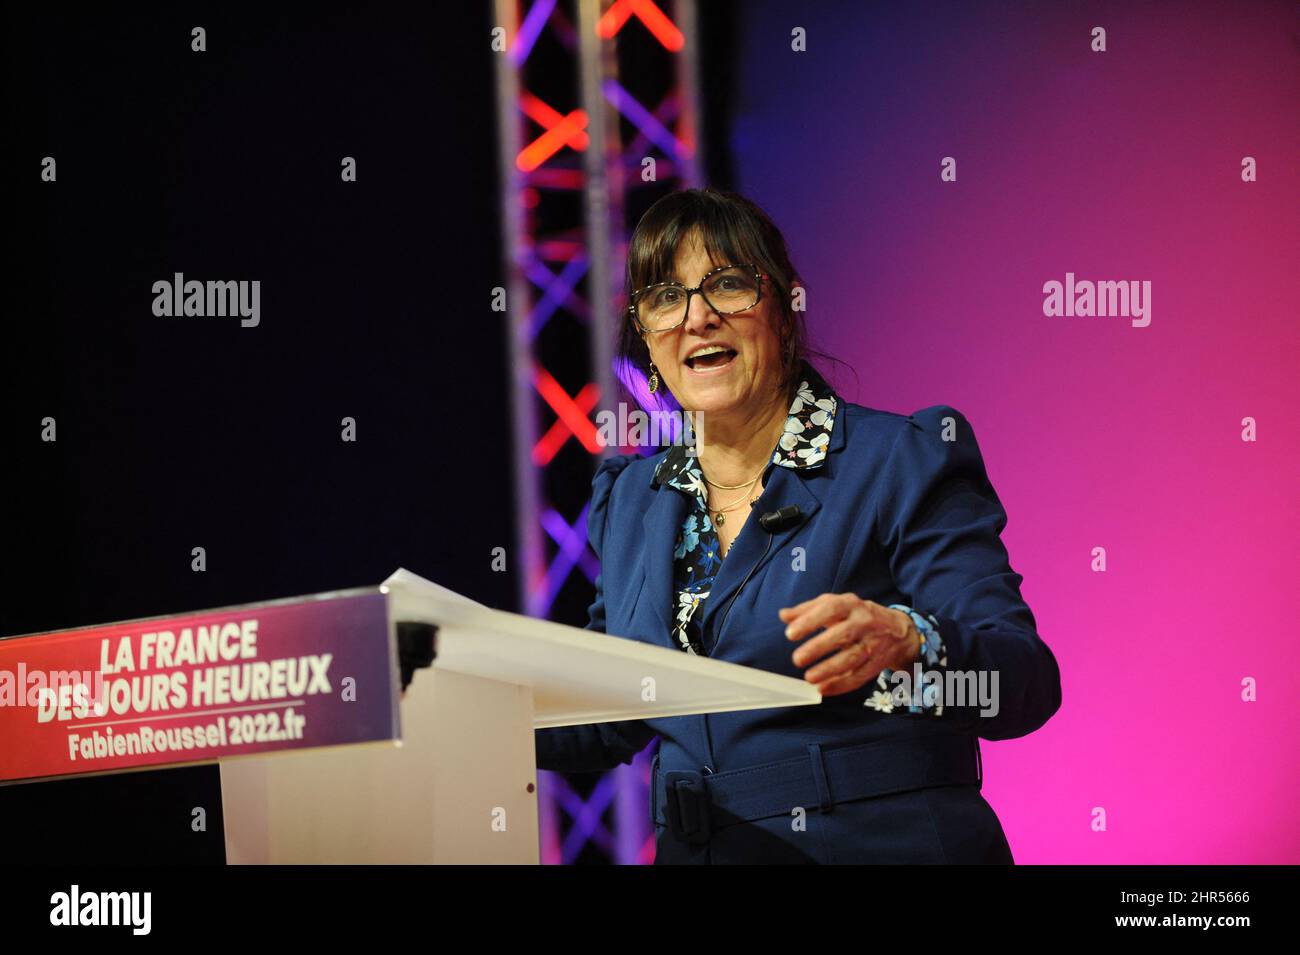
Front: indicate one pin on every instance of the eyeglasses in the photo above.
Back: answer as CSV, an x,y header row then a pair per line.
x,y
663,306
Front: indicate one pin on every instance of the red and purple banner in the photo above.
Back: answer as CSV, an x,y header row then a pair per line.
x,y
193,688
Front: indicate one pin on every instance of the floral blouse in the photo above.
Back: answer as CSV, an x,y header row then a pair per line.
x,y
697,557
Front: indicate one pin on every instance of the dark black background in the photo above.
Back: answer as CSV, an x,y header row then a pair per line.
x,y
175,433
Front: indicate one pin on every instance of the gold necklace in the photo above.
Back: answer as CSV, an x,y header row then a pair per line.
x,y
730,487
720,513
720,517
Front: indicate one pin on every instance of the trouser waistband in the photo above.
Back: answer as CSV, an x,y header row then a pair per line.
x,y
694,804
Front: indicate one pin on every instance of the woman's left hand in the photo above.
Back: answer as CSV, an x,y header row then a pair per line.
x,y
865,636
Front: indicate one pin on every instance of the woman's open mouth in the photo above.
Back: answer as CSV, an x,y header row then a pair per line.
x,y
711,359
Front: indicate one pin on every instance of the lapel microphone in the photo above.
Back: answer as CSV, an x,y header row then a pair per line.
x,y
776,521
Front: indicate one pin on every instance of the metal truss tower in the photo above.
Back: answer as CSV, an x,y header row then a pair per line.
x,y
596,119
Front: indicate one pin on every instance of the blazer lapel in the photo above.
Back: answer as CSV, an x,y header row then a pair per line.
x,y
750,552
661,523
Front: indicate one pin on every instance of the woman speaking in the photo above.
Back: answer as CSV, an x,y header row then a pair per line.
x,y
810,537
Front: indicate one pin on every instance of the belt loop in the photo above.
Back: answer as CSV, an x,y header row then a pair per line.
x,y
687,805
819,776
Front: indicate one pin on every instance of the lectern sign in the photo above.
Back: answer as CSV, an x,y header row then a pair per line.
x,y
284,675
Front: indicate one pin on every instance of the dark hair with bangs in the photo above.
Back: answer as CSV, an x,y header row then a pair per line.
x,y
733,230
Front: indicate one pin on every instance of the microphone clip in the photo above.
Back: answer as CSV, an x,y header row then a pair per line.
x,y
783,517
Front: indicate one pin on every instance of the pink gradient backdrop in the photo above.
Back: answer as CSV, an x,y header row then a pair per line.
x,y
1115,165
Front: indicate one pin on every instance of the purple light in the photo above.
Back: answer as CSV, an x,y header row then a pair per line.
x,y
558,291
642,118
587,825
572,540
558,571
530,30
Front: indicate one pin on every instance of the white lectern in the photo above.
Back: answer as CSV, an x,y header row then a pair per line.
x,y
460,786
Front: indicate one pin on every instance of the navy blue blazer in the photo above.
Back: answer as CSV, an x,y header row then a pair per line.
x,y
895,514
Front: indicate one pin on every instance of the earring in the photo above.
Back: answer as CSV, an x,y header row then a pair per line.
x,y
654,378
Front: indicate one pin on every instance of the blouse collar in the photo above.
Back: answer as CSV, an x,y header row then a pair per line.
x,y
803,443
